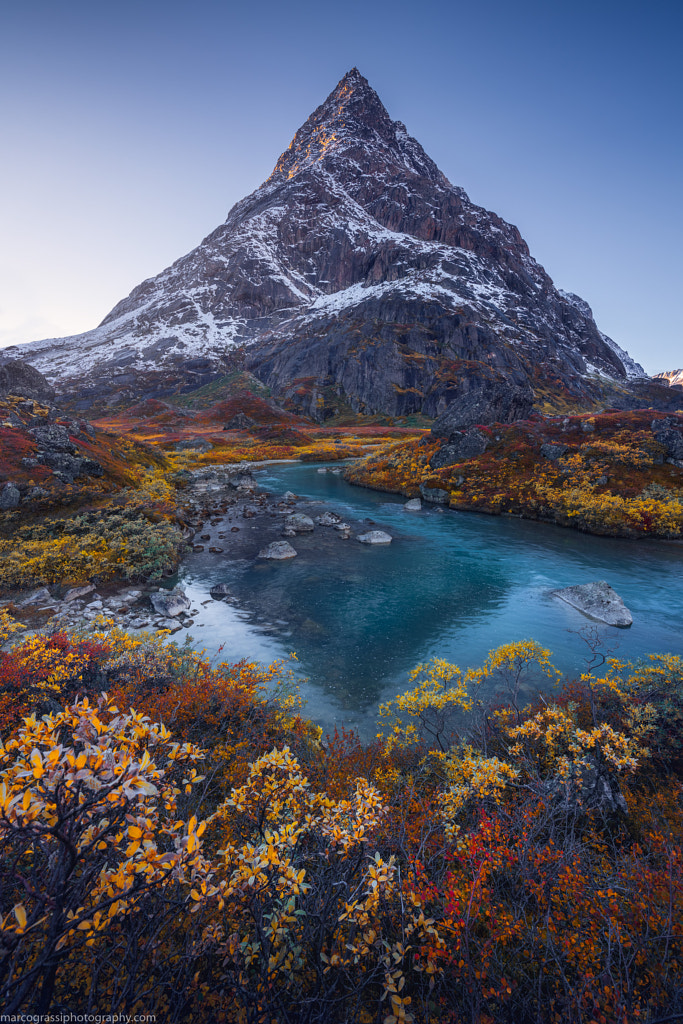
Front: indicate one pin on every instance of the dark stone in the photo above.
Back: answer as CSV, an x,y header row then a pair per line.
x,y
434,495
553,451
239,422
9,496
54,438
91,468
460,448
19,378
669,437
590,787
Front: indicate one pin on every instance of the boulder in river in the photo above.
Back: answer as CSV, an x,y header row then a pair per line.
x,y
598,601
170,602
435,495
219,591
278,549
414,505
328,519
299,523
375,537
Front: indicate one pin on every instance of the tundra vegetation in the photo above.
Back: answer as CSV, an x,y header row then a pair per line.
x,y
612,473
177,839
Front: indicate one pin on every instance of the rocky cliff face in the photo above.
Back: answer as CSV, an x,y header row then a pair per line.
x,y
356,278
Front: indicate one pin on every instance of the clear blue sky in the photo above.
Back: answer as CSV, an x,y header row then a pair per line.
x,y
130,128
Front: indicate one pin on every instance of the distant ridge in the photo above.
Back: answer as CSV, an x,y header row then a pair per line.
x,y
672,377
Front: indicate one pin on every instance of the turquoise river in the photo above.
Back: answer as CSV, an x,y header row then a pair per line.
x,y
451,585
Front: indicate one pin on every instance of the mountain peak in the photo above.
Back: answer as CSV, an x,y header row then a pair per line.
x,y
352,117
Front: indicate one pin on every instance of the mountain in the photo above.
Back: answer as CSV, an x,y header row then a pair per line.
x,y
356,278
673,378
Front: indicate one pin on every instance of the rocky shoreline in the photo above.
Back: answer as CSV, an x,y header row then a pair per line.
x,y
224,513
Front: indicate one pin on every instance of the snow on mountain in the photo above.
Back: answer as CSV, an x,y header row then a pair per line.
x,y
671,377
633,370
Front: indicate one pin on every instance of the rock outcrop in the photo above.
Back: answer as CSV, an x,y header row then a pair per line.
x,y
17,377
460,447
357,278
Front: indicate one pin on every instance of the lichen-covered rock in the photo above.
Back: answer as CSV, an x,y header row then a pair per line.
x,y
670,437
553,452
460,447
10,496
434,495
598,601
278,550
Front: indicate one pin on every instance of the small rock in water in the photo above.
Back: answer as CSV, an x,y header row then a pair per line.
x,y
288,533
342,527
216,551
299,523
279,549
435,495
322,471
289,496
328,519
597,601
219,591
414,505
375,537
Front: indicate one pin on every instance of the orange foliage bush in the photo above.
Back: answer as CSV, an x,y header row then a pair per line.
x,y
521,865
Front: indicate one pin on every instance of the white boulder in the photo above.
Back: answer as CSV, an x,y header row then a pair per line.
x,y
598,601
375,537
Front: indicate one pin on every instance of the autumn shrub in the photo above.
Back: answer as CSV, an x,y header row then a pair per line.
x,y
209,856
124,543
